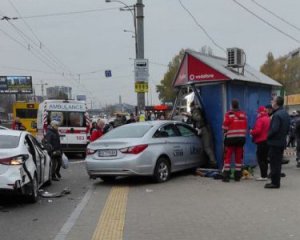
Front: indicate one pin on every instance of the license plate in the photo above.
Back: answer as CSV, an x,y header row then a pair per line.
x,y
107,153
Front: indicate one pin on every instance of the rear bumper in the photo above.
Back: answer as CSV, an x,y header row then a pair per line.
x,y
73,148
119,167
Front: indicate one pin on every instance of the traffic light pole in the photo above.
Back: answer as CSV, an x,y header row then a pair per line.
x,y
140,45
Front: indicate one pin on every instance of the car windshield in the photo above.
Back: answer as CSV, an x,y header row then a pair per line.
x,y
128,131
8,141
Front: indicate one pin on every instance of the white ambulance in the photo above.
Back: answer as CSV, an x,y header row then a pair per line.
x,y
74,123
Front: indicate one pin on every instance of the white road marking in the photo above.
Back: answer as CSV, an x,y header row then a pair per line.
x,y
66,228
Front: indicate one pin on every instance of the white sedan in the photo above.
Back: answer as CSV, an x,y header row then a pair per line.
x,y
24,164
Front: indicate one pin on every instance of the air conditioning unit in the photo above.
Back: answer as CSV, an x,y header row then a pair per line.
x,y
235,57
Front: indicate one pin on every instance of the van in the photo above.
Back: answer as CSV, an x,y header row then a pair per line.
x,y
74,123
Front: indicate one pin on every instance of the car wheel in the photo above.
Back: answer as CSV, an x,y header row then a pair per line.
x,y
33,191
107,179
162,170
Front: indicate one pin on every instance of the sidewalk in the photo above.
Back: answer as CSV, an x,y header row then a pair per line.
x,y
190,207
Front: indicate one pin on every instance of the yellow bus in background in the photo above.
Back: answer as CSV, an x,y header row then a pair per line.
x,y
27,113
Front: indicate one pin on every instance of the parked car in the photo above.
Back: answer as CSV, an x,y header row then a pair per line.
x,y
154,148
3,128
24,164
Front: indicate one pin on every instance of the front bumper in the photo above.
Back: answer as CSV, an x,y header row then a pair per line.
x,y
74,148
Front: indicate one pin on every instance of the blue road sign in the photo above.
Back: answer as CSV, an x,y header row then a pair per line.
x,y
107,73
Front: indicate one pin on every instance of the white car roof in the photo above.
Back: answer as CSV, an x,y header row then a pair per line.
x,y
10,132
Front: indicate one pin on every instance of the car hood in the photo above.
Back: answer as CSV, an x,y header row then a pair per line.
x,y
115,143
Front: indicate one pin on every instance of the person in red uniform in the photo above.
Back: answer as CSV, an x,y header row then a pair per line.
x,y
235,130
259,135
98,132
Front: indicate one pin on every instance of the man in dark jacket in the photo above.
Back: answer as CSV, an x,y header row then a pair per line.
x,y
52,138
279,128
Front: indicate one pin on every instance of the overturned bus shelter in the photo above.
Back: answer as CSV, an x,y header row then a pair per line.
x,y
215,82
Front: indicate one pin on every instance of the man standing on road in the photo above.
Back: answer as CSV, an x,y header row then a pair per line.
x,y
235,129
53,138
199,123
279,128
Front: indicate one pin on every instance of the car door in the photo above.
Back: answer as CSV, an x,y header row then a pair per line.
x,y
192,143
173,145
36,157
42,157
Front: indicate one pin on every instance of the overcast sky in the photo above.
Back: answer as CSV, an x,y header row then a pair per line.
x,y
95,41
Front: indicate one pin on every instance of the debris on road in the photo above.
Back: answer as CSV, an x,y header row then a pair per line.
x,y
45,194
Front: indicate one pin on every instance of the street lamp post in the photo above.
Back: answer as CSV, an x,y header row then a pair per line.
x,y
137,12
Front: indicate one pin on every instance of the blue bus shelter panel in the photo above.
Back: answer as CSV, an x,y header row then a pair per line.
x,y
212,100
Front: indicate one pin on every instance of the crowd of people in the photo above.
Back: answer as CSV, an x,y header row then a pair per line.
x,y
269,133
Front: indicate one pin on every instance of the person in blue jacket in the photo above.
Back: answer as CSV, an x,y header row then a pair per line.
x,y
279,128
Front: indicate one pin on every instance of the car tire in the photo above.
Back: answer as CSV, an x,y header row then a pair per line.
x,y
108,179
162,170
33,191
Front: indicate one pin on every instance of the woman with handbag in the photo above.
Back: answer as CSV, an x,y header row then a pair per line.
x,y
52,137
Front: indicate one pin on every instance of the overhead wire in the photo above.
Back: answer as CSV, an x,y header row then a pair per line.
x,y
266,22
69,13
202,28
50,56
40,44
276,15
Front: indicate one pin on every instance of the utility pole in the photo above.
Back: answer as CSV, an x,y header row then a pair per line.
x,y
140,46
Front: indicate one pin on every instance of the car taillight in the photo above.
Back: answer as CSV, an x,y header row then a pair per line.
x,y
16,160
90,151
135,149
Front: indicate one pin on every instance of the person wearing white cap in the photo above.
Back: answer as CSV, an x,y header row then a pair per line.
x,y
53,138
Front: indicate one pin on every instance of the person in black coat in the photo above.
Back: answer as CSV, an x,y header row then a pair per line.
x,y
279,128
53,138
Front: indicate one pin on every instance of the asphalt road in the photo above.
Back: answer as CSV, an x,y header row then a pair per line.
x,y
44,219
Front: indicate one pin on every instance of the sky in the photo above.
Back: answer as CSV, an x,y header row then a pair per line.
x,y
74,50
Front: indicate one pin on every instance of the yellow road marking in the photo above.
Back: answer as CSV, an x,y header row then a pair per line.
x,y
112,219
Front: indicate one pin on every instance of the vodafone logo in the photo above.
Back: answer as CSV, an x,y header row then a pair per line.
x,y
193,77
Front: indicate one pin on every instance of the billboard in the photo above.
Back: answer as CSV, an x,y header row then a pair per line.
x,y
16,84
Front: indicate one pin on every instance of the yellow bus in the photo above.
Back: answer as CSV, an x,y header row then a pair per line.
x,y
27,113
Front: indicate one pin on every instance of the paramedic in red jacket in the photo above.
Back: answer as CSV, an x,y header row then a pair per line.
x,y
235,129
98,132
259,135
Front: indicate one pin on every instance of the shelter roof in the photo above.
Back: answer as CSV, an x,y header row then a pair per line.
x,y
220,65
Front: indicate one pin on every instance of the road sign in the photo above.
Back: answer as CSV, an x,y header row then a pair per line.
x,y
141,69
108,73
141,87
